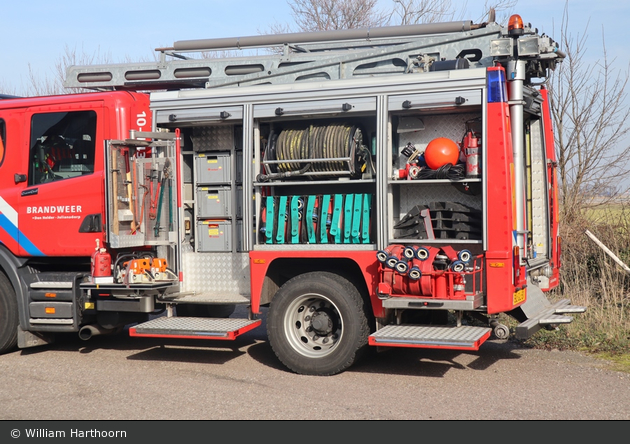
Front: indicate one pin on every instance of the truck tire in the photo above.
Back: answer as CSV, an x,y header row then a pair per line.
x,y
317,324
205,310
8,315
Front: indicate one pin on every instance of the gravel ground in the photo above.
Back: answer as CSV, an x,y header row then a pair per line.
x,y
123,378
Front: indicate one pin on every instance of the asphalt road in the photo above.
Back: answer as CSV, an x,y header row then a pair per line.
x,y
123,378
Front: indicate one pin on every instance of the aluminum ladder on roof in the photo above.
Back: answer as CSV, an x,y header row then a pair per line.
x,y
325,55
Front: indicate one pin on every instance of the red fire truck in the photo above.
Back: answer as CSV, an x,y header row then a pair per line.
x,y
390,187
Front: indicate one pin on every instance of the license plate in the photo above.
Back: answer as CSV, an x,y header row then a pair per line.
x,y
519,296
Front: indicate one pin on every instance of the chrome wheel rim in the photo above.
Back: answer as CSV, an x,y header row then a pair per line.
x,y
313,325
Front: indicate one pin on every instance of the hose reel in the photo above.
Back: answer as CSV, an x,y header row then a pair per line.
x,y
333,150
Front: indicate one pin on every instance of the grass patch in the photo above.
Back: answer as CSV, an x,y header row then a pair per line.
x,y
619,362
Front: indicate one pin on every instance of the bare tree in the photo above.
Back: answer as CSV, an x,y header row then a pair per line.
x,y
323,15
327,15
53,83
8,90
590,111
501,9
409,12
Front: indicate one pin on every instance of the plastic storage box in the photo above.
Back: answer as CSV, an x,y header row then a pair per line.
x,y
212,168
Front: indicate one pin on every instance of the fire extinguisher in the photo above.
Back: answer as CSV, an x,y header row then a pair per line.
x,y
101,262
470,150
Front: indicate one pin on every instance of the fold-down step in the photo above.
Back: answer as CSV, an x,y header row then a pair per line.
x,y
194,328
423,336
550,315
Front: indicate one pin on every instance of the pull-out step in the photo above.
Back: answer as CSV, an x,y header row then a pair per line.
x,y
550,315
426,336
194,328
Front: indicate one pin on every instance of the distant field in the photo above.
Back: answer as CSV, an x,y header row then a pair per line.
x,y
616,214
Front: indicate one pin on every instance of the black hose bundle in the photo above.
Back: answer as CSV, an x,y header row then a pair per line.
x,y
447,171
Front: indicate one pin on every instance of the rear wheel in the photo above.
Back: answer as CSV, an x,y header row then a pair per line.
x,y
8,315
317,324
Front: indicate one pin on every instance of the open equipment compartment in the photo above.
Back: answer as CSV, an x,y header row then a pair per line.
x,y
316,179
141,191
435,185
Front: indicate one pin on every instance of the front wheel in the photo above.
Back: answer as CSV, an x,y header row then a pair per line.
x,y
317,324
8,315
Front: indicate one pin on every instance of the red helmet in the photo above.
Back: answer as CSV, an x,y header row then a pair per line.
x,y
441,151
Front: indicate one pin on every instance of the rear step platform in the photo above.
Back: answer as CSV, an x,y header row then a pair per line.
x,y
194,328
428,336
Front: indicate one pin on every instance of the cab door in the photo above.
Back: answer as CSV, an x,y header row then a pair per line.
x,y
61,204
9,143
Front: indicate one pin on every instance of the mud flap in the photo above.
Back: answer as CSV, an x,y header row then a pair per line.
x,y
27,339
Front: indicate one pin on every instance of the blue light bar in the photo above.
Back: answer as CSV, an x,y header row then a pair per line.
x,y
497,91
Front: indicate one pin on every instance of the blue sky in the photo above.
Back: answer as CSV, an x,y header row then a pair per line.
x,y
37,32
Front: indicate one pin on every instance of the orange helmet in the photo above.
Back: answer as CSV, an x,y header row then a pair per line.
x,y
441,151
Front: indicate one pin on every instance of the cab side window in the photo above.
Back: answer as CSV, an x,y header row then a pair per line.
x,y
62,145
3,140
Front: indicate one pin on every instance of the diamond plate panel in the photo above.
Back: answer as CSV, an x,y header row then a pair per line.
x,y
217,273
452,126
213,138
